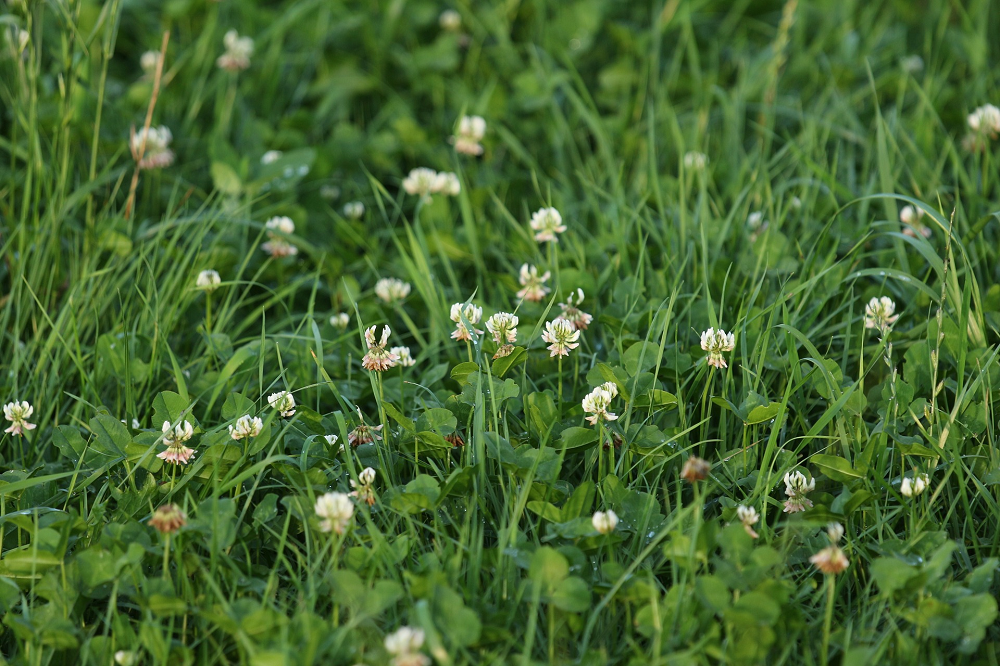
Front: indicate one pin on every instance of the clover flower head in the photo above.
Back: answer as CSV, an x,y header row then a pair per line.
x,y
503,327
364,434
596,403
278,227
336,511
562,337
604,522
911,64
421,181
378,358
880,314
450,20
283,402
149,61
332,440
911,217
473,313
354,210
271,156
246,426
126,658
174,437
830,560
915,485
796,488
168,519
447,183
546,223
392,290
238,51
405,358
695,160
985,120
748,517
533,284
572,313
363,490
151,147
717,343
471,130
340,320
18,413
695,469
404,645
208,280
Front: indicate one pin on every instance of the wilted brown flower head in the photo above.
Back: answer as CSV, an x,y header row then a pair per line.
x,y
695,469
168,519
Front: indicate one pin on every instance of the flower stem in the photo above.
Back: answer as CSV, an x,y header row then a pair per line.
x,y
827,620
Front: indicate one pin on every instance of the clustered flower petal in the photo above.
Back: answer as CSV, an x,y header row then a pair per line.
x,y
18,413
911,217
749,517
503,327
354,210
596,403
277,228
149,62
405,358
915,485
392,290
271,156
695,469
246,426
168,519
716,343
378,358
174,437
796,488
546,223
340,320
879,313
404,646
471,130
605,522
208,280
572,313
284,402
364,434
151,147
238,52
450,20
472,313
425,182
831,560
533,284
562,337
336,511
363,490
695,160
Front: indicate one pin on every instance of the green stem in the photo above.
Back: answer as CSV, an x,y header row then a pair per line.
x,y
827,620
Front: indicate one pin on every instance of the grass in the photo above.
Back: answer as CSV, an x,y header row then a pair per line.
x,y
814,115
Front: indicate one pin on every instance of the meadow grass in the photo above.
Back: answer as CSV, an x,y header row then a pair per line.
x,y
837,167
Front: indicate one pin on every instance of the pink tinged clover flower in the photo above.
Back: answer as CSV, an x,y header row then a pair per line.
x,y
572,313
151,147
471,130
716,343
284,402
238,51
533,284
18,413
596,403
911,217
880,314
472,314
277,229
561,336
335,510
246,426
378,358
174,437
748,517
546,223
796,488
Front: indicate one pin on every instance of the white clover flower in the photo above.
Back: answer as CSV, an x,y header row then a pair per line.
x,y
503,327
796,488
174,437
572,313
533,284
156,154
404,358
149,61
246,426
756,223
238,52
749,517
18,413
19,40
596,403
546,223
473,314
446,183
282,224
208,280
562,337
471,130
912,216
796,203
363,490
835,531
985,120
378,358
604,522
277,246
830,560
911,64
367,476
404,645
331,439
879,313
284,402
392,290
695,160
336,510
421,181
915,485
354,210
125,658
340,320
271,156
450,20
716,343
